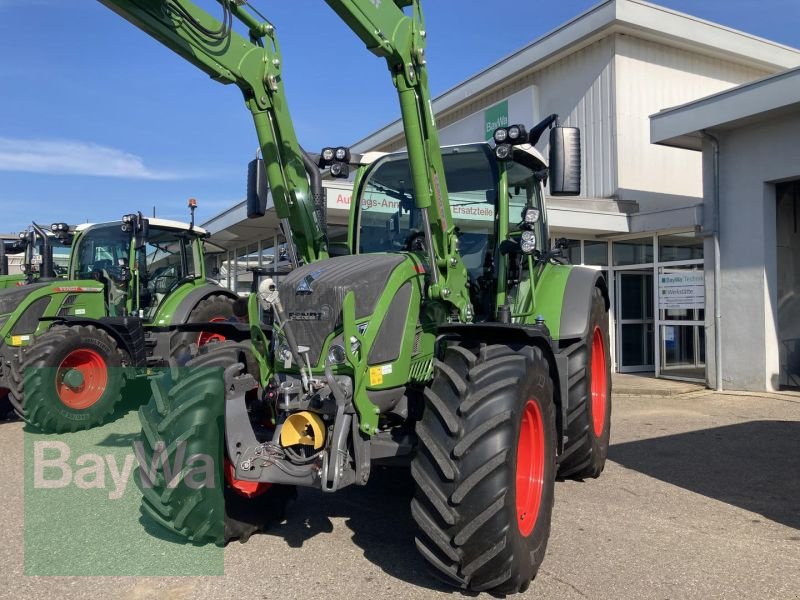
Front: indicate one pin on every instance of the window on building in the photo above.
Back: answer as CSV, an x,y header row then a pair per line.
x,y
633,252
679,246
573,252
595,253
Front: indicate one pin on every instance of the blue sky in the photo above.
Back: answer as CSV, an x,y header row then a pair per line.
x,y
97,119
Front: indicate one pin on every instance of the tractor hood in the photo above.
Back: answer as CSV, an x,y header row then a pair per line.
x,y
312,295
10,298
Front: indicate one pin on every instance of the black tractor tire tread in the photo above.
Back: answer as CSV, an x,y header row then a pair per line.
x,y
15,382
177,395
584,456
37,357
457,503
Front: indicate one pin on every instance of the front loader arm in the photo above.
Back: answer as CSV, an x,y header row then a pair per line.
x,y
254,65
388,32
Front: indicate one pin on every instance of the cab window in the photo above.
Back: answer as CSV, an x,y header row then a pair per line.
x,y
388,222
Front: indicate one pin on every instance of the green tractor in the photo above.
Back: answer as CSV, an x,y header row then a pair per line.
x,y
447,336
79,340
43,253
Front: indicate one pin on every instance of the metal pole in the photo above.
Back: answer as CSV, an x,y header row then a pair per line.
x,y
717,270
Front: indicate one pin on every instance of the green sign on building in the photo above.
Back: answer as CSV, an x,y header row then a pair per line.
x,y
494,117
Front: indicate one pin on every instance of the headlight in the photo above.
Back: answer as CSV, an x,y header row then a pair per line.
x,y
327,154
503,152
342,154
336,355
530,215
500,135
528,242
354,345
517,134
340,170
284,354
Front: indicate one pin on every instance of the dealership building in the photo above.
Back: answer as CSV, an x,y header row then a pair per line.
x,y
652,188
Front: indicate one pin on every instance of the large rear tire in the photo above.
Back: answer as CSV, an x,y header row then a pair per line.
x,y
72,378
485,467
588,427
188,408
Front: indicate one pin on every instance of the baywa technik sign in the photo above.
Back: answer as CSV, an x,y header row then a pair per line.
x,y
682,290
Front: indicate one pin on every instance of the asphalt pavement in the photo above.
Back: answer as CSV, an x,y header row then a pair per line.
x,y
700,499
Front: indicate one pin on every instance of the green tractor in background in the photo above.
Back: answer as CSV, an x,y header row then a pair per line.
x,y
69,346
448,336
43,253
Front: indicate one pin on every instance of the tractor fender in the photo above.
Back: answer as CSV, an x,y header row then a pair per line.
x,y
127,332
197,295
531,335
577,305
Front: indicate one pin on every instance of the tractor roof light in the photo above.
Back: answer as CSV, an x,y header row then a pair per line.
x,y
530,216
513,134
500,135
517,134
528,242
340,170
326,156
128,218
504,152
342,154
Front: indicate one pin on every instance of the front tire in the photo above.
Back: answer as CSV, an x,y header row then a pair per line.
x,y
188,408
485,467
72,378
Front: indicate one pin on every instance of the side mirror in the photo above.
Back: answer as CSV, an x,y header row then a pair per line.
x,y
565,161
257,188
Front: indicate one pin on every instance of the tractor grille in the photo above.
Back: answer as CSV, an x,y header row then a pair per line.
x,y
312,295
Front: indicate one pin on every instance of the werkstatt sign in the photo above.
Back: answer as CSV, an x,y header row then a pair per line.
x,y
494,117
682,290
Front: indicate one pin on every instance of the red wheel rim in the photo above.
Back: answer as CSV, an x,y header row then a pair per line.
x,y
93,376
599,383
248,489
206,336
530,467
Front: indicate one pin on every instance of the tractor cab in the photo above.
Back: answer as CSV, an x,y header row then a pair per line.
x,y
139,261
487,199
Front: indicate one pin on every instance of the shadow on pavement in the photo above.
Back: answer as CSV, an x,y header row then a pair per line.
x,y
379,516
754,465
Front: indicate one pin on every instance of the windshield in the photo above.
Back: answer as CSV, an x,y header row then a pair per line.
x,y
102,248
388,221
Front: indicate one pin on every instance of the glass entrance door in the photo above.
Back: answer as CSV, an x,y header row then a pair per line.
x,y
635,321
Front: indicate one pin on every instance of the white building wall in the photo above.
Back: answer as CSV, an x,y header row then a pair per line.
x,y
752,159
580,88
650,77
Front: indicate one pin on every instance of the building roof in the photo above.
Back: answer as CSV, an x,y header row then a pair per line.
x,y
635,17
682,126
